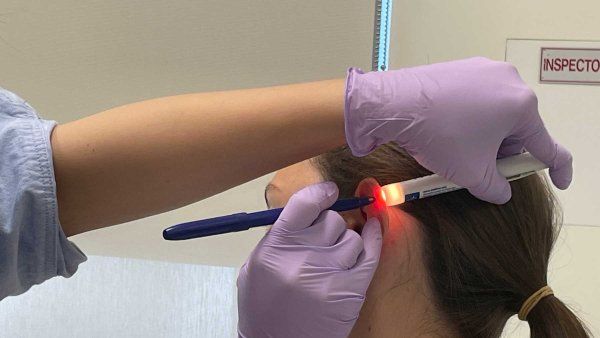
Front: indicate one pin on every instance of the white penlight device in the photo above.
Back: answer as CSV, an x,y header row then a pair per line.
x,y
513,168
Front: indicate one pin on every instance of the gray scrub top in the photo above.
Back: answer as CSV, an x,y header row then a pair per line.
x,y
33,247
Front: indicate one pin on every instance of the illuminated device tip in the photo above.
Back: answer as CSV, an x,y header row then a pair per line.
x,y
382,195
392,194
512,167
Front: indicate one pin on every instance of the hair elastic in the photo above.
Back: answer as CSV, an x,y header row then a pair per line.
x,y
531,302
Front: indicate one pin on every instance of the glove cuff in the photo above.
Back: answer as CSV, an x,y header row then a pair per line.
x,y
381,107
356,105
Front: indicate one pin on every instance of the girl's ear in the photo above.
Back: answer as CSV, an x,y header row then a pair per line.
x,y
371,188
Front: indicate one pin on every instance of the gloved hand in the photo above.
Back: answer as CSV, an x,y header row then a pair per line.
x,y
455,118
309,275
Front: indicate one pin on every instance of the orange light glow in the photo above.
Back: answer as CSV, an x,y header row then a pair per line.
x,y
380,199
394,194
382,196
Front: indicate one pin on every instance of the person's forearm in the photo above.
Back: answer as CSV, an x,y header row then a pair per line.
x,y
153,156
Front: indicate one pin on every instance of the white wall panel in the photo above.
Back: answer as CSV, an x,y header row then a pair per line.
x,y
125,298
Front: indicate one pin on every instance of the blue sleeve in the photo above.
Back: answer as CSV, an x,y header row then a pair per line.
x,y
33,247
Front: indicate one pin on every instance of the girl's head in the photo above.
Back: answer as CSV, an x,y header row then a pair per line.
x,y
450,264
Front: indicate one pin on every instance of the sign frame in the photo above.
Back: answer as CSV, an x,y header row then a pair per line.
x,y
581,82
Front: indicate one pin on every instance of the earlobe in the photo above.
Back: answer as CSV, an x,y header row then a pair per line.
x,y
370,187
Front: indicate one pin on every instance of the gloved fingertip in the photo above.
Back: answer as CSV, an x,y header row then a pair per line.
x,y
330,189
372,239
372,229
504,193
324,193
494,190
304,207
561,178
562,171
358,152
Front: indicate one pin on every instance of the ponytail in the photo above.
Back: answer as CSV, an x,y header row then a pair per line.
x,y
551,318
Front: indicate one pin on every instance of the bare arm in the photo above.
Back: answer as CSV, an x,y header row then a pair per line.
x,y
153,156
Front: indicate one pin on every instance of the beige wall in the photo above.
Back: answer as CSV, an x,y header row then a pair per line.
x,y
436,30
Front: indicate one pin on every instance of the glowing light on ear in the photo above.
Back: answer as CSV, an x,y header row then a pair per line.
x,y
380,199
394,194
382,196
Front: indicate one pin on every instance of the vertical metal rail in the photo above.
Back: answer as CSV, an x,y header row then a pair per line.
x,y
381,35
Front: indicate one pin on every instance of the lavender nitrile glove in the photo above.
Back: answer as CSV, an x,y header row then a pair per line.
x,y
308,276
455,118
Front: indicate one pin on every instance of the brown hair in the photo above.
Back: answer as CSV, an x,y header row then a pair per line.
x,y
484,260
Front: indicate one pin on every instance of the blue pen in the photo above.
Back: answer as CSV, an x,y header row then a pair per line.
x,y
244,221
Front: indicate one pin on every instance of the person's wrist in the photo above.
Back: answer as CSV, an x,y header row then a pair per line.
x,y
331,112
339,131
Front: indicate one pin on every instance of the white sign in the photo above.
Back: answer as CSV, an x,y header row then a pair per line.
x,y
570,65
